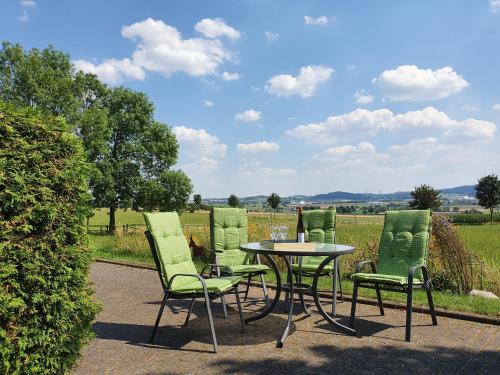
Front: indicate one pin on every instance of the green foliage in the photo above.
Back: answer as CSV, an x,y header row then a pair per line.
x,y
233,201
197,199
488,192
273,200
133,158
131,154
425,197
46,306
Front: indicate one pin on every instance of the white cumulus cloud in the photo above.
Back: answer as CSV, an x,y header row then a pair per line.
x,y
111,71
271,36
226,76
304,84
408,82
208,103
214,28
250,115
257,147
363,98
496,107
161,48
495,5
347,150
28,3
320,21
198,143
362,121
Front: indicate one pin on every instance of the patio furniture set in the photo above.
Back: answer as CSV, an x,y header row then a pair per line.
x,y
401,266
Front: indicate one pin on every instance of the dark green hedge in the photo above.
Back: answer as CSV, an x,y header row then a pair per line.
x,y
46,303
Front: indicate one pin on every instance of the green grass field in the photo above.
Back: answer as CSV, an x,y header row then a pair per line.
x,y
483,240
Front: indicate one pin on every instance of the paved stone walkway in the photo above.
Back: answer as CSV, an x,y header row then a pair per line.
x,y
131,298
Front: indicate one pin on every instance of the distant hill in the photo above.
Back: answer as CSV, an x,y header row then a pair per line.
x,y
344,196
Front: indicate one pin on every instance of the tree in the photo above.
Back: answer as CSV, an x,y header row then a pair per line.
x,y
488,192
425,197
273,200
233,201
131,154
197,200
133,158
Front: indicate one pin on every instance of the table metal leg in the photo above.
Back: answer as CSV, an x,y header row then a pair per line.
x,y
301,292
317,301
269,307
334,281
281,341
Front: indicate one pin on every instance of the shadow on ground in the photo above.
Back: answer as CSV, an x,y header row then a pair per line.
x,y
368,360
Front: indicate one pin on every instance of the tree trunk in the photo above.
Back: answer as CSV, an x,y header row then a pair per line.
x,y
491,214
112,220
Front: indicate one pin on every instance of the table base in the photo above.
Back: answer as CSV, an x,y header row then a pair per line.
x,y
291,288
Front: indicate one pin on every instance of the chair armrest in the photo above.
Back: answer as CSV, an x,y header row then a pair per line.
x,y
413,269
218,266
360,265
200,279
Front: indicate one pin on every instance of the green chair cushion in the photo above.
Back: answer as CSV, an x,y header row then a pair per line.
x,y
171,246
228,231
319,226
248,268
404,242
311,268
385,279
214,285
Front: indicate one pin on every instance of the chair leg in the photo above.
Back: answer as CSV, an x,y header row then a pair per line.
x,y
211,321
379,298
354,300
340,285
431,305
248,286
163,303
409,303
224,309
264,288
191,305
238,302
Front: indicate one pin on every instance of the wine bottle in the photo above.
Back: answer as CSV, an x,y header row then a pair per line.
x,y
300,228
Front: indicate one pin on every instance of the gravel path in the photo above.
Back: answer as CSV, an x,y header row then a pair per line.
x,y
131,298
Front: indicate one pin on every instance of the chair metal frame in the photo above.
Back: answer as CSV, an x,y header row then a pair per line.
x,y
408,289
208,296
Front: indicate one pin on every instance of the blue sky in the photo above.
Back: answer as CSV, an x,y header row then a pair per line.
x,y
297,97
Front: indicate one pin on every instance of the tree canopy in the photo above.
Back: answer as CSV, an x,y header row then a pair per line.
x,y
131,153
233,201
425,197
488,192
273,200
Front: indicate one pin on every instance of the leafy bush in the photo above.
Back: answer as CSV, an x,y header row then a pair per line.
x,y
46,306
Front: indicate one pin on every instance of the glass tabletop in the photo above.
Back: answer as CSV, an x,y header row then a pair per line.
x,y
319,249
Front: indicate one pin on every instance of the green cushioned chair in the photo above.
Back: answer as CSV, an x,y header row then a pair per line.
x,y
177,271
319,226
229,230
401,267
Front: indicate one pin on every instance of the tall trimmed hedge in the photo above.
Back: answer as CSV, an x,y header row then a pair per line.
x,y
46,304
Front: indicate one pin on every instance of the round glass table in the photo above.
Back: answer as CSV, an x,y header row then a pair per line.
x,y
329,251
